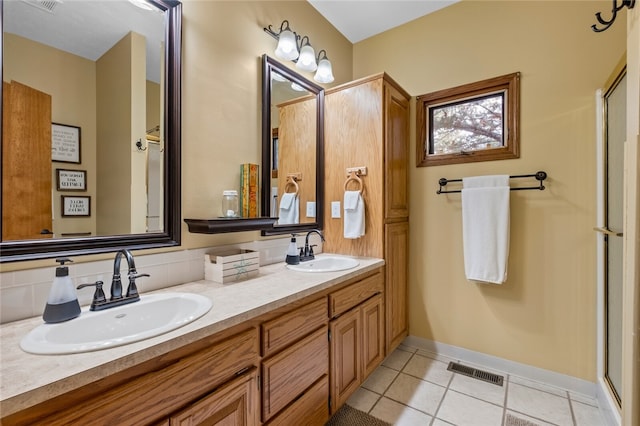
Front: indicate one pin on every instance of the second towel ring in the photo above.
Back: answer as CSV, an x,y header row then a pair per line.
x,y
291,181
353,176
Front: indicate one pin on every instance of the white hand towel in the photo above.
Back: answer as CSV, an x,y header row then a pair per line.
x,y
485,228
353,214
289,209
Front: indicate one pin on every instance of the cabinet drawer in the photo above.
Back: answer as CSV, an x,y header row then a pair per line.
x,y
343,300
157,394
235,403
312,407
286,329
286,375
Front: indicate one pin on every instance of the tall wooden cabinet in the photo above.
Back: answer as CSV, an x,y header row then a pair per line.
x,y
367,125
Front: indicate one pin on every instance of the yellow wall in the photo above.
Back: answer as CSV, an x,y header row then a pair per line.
x,y
223,42
545,314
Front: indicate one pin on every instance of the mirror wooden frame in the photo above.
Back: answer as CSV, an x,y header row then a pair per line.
x,y
270,65
508,86
11,251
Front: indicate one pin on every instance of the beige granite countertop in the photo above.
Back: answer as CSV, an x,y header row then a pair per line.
x,y
26,379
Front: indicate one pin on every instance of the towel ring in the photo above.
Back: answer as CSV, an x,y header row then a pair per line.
x,y
353,176
291,181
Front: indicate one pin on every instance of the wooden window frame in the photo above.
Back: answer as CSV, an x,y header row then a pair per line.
x,y
508,84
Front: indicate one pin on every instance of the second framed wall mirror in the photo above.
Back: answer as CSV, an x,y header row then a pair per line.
x,y
292,149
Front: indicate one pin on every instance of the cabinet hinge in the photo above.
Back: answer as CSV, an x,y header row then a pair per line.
x,y
329,335
329,402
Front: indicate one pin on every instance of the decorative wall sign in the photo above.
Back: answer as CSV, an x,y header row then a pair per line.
x,y
65,143
76,205
71,180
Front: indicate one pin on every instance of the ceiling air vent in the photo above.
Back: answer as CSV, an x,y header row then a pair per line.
x,y
46,5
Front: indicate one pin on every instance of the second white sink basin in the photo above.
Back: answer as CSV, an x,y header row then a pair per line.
x,y
153,315
325,264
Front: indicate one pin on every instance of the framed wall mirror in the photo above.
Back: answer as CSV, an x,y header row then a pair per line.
x,y
292,149
110,71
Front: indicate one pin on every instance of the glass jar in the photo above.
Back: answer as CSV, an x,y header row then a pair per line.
x,y
230,203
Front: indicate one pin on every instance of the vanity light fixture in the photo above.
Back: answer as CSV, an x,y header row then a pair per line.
x,y
293,47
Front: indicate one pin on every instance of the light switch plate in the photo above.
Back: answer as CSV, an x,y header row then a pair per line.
x,y
311,209
335,209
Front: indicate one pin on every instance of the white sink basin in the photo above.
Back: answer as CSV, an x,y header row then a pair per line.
x,y
153,315
325,264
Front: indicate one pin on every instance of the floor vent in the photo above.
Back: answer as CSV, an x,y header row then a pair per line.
x,y
496,379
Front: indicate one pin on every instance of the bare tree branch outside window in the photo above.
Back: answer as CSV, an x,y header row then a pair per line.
x,y
474,122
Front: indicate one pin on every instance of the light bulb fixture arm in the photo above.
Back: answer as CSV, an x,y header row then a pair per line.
x,y
614,12
283,27
321,55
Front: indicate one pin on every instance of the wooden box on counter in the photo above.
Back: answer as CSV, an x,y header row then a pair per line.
x,y
231,265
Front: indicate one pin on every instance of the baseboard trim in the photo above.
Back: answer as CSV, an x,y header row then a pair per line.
x,y
608,407
570,383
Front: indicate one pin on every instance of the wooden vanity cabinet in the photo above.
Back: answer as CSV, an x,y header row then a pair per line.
x,y
152,392
356,336
295,365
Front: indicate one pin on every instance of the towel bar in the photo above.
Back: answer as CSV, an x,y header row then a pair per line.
x,y
540,176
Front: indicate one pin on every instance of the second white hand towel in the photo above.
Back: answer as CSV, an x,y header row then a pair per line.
x,y
289,209
353,214
485,228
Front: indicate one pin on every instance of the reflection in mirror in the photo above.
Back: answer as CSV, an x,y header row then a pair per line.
x,y
292,132
91,113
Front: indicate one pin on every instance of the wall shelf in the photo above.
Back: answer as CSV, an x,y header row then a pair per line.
x,y
223,225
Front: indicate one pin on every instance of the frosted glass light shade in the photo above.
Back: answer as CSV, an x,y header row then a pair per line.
x,y
277,77
287,48
295,86
325,72
307,59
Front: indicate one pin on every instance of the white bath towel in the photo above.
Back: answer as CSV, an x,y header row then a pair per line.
x,y
353,214
289,209
485,228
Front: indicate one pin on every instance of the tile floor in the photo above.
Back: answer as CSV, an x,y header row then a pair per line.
x,y
413,388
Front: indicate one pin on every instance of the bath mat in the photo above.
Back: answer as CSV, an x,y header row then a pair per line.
x,y
349,416
517,421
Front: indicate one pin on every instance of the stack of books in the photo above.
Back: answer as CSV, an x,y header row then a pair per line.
x,y
249,190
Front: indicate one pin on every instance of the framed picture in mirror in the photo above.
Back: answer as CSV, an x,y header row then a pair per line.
x,y
71,180
473,122
65,143
73,206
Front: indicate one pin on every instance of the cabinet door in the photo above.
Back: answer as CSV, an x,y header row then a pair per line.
x,y
291,372
345,357
396,154
396,271
372,334
235,404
